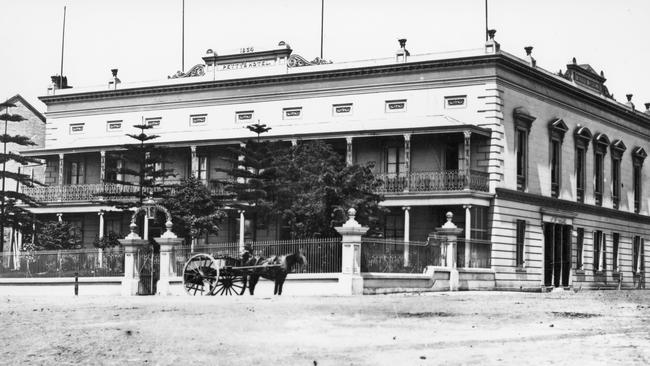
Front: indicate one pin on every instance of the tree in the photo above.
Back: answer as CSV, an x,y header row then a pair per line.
x,y
57,235
317,189
252,182
193,210
13,213
143,162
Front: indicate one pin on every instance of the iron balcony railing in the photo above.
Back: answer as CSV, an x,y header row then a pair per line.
x,y
89,192
436,181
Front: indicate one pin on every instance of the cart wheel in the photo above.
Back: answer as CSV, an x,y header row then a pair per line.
x,y
200,275
231,282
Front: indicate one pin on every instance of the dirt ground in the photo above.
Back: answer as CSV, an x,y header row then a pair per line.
x,y
482,328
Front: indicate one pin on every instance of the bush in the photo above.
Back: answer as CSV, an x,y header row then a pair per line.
x,y
56,235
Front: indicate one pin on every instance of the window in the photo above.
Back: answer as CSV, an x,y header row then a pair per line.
x,y
521,237
457,101
113,224
557,128
292,113
580,233
395,106
582,137
601,141
114,126
342,109
153,122
638,156
617,148
479,217
198,119
394,225
523,123
75,173
76,128
615,239
637,255
395,164
599,251
244,116
202,173
77,228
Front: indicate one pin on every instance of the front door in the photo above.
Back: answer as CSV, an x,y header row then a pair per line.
x,y
557,254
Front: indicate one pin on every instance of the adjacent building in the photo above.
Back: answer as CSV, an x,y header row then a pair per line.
x,y
547,167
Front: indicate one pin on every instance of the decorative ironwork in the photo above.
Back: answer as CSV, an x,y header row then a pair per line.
x,y
196,70
297,61
444,180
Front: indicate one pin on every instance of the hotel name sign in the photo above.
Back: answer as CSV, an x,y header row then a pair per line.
x,y
246,64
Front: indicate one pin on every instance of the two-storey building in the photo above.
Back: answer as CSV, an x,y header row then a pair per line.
x,y
546,166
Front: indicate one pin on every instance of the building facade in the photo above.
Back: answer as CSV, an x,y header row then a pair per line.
x,y
548,167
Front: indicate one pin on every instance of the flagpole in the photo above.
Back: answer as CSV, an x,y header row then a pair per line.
x,y
322,12
183,41
486,20
62,48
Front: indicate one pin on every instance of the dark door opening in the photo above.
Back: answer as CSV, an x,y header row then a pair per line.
x,y
557,254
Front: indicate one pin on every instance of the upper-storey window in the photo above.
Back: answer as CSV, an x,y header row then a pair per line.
x,y
292,113
395,163
244,117
114,126
393,106
523,122
601,142
76,128
617,148
455,101
342,109
556,128
582,136
638,156
152,122
198,119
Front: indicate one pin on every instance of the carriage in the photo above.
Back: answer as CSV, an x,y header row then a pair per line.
x,y
207,275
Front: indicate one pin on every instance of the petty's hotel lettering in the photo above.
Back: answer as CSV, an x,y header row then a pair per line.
x,y
245,65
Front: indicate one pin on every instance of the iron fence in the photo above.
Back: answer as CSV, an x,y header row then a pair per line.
x,y
63,263
323,255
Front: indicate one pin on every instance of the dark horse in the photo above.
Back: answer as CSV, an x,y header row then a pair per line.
x,y
274,268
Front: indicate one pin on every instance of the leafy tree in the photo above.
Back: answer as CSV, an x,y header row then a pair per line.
x,y
317,188
108,241
143,163
194,212
13,213
56,235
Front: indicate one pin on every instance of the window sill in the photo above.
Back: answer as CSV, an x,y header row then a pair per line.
x,y
521,270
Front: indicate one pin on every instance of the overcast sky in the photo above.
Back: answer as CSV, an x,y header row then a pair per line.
x,y
142,38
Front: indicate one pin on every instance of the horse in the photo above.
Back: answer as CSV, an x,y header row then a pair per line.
x,y
274,268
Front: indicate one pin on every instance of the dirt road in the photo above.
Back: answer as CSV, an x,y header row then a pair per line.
x,y
482,328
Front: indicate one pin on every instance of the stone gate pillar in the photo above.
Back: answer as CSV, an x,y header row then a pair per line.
x,y
131,245
350,280
168,241
449,234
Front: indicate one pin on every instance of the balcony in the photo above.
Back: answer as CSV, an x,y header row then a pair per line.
x,y
438,181
86,192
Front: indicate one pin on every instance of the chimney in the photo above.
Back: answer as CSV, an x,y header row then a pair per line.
x,y
647,108
492,46
629,101
402,53
529,53
112,84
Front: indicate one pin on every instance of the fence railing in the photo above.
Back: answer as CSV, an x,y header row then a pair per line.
x,y
323,255
396,256
63,263
94,191
444,180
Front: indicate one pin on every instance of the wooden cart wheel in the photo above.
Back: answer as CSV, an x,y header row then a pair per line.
x,y
200,275
231,282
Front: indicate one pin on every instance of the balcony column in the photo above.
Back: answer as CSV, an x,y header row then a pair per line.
x,y
61,166
466,156
59,217
407,161
240,160
294,142
194,164
102,166
468,233
101,223
348,151
242,224
407,233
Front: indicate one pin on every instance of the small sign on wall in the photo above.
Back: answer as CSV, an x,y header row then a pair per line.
x,y
342,109
292,113
113,126
153,122
457,101
243,116
76,128
198,119
393,106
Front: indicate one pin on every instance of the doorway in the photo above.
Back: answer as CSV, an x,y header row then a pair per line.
x,y
557,254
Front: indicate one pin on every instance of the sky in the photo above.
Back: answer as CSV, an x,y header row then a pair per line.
x,y
142,38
